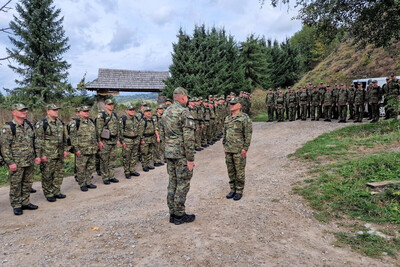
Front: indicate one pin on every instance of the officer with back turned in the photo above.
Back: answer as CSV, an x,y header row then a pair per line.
x,y
177,129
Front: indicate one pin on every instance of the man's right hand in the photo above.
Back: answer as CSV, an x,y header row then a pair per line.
x,y
44,159
13,167
101,145
124,145
78,153
190,165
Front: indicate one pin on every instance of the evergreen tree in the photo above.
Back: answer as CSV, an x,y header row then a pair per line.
x,y
255,61
39,43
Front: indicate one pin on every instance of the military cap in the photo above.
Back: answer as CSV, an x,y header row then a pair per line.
x,y
130,107
108,102
78,109
160,106
309,83
388,78
144,104
18,107
205,100
392,75
234,100
315,86
180,91
359,83
374,81
84,108
168,99
352,85
200,98
341,84
52,107
336,84
147,109
328,85
321,82
289,87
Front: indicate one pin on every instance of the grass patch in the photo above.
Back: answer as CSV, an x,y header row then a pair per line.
x,y
339,143
369,244
263,117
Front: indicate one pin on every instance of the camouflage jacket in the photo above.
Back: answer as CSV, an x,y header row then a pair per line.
x,y
374,95
351,94
130,129
328,98
51,138
84,136
177,129
393,88
148,130
315,98
110,122
303,98
292,100
359,97
18,149
280,101
270,99
342,99
237,133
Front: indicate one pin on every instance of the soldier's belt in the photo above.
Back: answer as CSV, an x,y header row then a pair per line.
x,y
130,137
111,137
148,135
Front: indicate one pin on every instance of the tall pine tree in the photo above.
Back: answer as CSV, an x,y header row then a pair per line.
x,y
39,43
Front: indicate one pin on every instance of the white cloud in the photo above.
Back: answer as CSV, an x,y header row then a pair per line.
x,y
138,34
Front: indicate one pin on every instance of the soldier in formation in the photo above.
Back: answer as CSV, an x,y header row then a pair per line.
x,y
236,142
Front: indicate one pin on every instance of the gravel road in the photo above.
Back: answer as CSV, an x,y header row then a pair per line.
x,y
126,224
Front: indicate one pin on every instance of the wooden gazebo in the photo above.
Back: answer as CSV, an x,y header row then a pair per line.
x,y
113,81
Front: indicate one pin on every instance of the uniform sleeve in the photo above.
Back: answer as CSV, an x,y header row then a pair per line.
x,y
224,136
65,139
121,131
248,130
6,142
99,125
188,126
39,139
73,135
141,129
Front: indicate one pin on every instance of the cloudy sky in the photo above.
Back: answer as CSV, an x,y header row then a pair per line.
x,y
138,34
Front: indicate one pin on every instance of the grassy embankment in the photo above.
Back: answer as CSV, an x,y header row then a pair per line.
x,y
342,163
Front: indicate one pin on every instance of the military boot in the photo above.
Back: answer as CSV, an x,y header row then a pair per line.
x,y
186,218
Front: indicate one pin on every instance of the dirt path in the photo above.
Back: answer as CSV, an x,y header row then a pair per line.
x,y
270,226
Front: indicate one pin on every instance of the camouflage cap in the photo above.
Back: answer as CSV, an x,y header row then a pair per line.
x,y
342,84
321,83
84,108
147,109
130,107
144,104
52,107
392,75
235,100
328,85
359,83
160,106
108,102
374,81
168,99
180,91
77,109
18,107
388,78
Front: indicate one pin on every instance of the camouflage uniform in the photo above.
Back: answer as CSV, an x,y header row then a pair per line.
x,y
393,92
342,102
315,103
108,155
328,103
359,100
19,149
148,136
374,98
84,139
207,118
130,136
350,100
237,136
280,107
177,129
270,102
158,156
303,99
292,102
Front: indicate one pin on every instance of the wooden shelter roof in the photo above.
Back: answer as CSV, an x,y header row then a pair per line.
x,y
114,80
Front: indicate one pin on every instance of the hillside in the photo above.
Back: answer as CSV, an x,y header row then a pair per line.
x,y
348,63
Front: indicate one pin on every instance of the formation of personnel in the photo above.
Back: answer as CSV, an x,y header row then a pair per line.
x,y
327,102
94,144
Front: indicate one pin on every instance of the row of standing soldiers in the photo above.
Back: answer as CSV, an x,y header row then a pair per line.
x,y
332,103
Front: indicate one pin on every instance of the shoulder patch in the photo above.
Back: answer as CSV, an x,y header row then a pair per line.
x,y
72,125
37,125
99,115
4,130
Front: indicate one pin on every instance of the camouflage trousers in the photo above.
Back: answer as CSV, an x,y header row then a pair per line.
x,y
97,159
292,113
85,166
280,113
108,158
205,139
197,135
359,112
236,165
159,149
303,111
147,150
20,186
342,112
270,111
375,111
178,186
211,130
52,176
315,109
351,110
328,112
130,155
